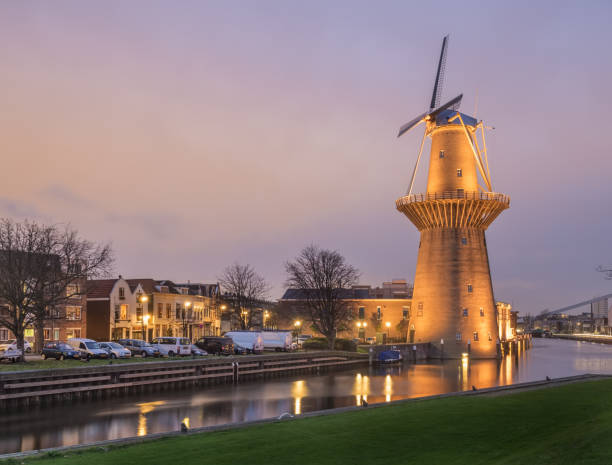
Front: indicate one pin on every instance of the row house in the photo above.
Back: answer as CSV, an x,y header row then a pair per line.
x,y
146,308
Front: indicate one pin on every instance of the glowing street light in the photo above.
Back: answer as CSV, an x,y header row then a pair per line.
x,y
145,322
388,325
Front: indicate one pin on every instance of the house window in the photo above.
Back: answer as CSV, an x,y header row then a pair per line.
x,y
56,334
481,311
469,288
405,313
459,173
4,334
361,313
475,336
160,310
72,290
122,293
138,313
73,332
124,312
117,312
441,153
378,314
73,313
46,334
168,311
464,240
457,336
178,311
465,312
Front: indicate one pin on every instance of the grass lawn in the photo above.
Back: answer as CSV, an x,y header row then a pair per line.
x,y
570,424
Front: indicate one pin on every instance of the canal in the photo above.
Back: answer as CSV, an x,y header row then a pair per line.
x,y
86,422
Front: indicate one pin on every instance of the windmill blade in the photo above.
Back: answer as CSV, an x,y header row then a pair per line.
x,y
437,91
454,104
410,124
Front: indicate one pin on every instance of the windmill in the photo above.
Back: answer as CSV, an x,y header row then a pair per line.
x,y
453,294
606,270
449,112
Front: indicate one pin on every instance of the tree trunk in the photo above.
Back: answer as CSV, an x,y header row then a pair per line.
x,y
331,342
39,333
19,338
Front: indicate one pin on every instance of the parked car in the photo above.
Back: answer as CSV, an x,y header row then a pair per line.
x,y
370,340
195,350
277,340
12,344
140,347
10,355
59,351
216,345
250,342
172,346
88,348
115,350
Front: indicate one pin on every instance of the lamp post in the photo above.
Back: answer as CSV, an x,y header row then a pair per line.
x,y
145,322
388,325
266,314
145,317
185,317
297,325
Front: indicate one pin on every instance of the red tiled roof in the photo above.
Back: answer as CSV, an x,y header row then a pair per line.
x,y
148,284
99,288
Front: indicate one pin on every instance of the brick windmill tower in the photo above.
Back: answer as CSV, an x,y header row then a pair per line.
x,y
453,306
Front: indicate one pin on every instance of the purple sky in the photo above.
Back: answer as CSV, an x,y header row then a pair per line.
x,y
196,134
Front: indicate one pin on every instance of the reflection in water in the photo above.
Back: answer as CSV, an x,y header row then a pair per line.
x,y
298,391
145,408
80,423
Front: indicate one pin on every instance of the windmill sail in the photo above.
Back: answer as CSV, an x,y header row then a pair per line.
x,y
437,91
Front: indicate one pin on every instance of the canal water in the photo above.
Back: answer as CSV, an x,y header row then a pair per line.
x,y
86,422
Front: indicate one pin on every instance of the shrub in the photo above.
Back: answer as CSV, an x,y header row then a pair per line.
x,y
320,343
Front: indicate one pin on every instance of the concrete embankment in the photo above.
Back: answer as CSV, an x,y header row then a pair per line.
x,y
493,391
598,338
24,388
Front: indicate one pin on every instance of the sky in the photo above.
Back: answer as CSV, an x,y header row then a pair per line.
x,y
196,134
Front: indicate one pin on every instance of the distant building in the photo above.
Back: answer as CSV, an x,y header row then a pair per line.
x,y
378,312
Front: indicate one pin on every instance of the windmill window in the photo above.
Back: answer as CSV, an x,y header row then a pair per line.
x,y
465,312
464,240
475,336
459,173
441,153
458,336
481,311
470,288
378,314
490,338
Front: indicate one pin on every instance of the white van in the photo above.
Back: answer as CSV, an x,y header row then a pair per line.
x,y
277,340
250,341
172,346
88,348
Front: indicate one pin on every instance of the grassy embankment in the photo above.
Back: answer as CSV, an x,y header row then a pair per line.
x,y
570,424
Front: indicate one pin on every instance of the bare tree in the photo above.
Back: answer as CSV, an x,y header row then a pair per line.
x,y
244,289
75,261
40,269
323,276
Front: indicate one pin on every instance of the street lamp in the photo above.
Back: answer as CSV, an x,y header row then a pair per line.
x,y
297,325
145,321
388,325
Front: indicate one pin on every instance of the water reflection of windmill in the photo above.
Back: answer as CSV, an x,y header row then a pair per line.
x,y
453,304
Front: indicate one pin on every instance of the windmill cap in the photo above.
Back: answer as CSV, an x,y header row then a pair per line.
x,y
443,117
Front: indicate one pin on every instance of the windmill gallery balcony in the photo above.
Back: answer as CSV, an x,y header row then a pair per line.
x,y
453,209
